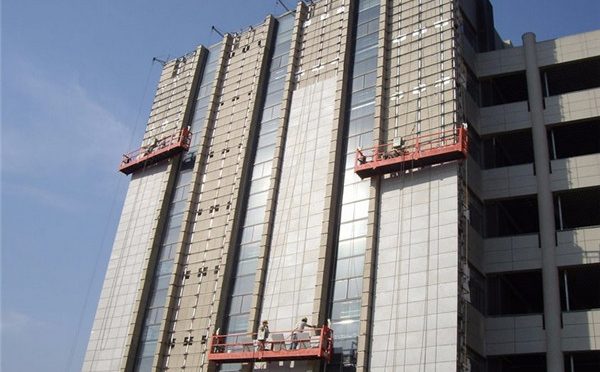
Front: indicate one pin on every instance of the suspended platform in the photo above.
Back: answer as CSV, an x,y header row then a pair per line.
x,y
280,346
163,148
413,151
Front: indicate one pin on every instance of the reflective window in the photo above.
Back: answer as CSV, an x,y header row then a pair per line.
x,y
254,215
249,250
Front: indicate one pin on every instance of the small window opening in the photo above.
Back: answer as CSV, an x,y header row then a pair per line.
x,y
188,340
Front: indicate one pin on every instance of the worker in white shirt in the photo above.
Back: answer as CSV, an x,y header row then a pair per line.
x,y
263,334
303,323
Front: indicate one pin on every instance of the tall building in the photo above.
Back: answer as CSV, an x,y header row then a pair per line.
x,y
258,195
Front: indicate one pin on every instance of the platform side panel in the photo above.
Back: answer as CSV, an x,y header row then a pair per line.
x,y
121,284
415,312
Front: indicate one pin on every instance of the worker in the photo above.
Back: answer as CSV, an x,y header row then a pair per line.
x,y
303,323
262,335
151,147
218,343
361,157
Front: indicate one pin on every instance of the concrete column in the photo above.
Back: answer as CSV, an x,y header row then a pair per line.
x,y
552,310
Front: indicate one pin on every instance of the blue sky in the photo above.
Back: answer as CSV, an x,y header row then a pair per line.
x,y
77,85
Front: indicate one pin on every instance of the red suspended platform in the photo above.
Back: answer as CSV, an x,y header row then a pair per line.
x,y
413,151
280,346
160,149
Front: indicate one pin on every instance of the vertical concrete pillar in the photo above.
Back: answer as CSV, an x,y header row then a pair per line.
x,y
552,310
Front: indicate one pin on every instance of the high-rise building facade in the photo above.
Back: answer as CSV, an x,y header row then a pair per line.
x,y
388,168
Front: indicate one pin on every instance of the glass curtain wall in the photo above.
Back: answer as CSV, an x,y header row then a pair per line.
x,y
346,299
179,200
254,217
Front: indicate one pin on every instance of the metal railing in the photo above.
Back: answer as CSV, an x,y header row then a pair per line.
x,y
160,148
414,150
280,345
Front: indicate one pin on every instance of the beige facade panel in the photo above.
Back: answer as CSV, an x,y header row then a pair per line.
x,y
512,253
578,246
172,101
220,189
572,106
515,335
412,324
133,243
291,276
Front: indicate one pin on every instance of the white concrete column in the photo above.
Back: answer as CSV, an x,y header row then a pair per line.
x,y
552,310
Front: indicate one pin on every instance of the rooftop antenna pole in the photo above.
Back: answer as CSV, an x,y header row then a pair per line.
x,y
163,63
213,28
283,5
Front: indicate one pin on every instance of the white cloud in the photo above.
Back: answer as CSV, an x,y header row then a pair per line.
x,y
42,196
14,321
66,130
